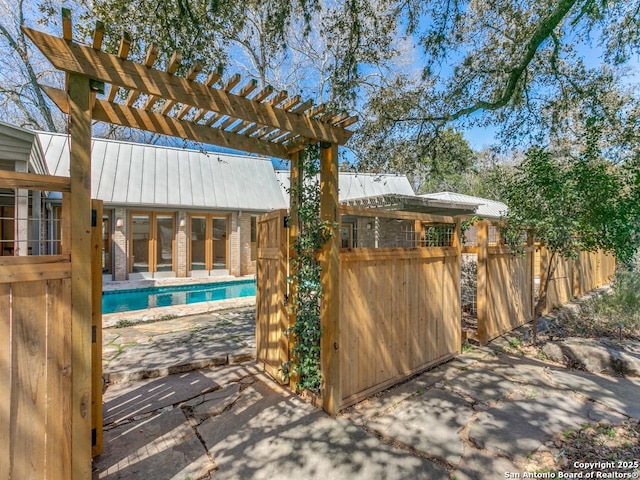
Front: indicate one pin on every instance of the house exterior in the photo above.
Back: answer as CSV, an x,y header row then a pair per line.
x,y
358,185
171,212
21,211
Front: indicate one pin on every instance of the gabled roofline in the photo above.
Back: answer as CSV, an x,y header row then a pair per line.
x,y
36,157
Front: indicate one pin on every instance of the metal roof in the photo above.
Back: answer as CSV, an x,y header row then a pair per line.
x,y
358,185
132,174
20,145
410,203
486,208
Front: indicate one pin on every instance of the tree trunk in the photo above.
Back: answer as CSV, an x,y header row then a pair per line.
x,y
542,295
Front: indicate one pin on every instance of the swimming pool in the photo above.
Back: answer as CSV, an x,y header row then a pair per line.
x,y
140,298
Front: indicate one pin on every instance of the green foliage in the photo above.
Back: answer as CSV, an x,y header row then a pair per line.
x,y
573,205
432,162
607,316
604,316
305,273
123,324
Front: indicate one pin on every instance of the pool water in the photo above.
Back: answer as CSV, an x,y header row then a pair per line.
x,y
140,298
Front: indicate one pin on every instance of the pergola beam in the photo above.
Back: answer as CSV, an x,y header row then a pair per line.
x,y
74,58
122,115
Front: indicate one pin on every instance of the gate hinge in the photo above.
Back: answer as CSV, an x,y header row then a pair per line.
x,y
94,437
93,334
286,299
94,218
287,221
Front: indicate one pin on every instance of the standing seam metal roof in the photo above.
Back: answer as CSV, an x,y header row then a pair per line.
x,y
359,185
486,208
132,174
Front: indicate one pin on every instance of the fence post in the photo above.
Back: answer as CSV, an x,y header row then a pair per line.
x,y
576,275
80,173
295,186
531,253
330,280
456,242
482,286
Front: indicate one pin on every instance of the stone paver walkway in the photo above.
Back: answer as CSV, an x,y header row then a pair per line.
x,y
156,349
476,417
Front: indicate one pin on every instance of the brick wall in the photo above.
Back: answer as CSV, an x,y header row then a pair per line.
x,y
246,266
390,232
120,245
182,252
234,260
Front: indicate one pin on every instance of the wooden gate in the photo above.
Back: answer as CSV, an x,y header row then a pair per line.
x,y
36,348
272,348
399,314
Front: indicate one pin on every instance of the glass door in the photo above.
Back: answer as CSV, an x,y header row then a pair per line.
x,y
152,242
140,242
208,243
219,230
164,236
198,243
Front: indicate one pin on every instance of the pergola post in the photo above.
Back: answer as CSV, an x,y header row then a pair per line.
x,y
330,280
80,173
481,294
295,184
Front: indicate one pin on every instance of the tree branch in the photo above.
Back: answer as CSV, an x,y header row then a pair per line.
x,y
19,45
541,33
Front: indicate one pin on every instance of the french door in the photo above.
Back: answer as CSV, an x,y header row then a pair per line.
x,y
208,246
152,242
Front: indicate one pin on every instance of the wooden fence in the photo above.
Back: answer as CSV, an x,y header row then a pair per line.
x,y
399,313
571,278
507,284
504,287
399,310
37,354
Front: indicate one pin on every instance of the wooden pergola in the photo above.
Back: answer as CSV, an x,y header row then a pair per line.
x,y
229,114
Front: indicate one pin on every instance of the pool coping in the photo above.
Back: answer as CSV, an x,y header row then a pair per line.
x,y
173,281
120,319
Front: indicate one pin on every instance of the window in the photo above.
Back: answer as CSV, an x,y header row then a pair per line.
x,y
346,236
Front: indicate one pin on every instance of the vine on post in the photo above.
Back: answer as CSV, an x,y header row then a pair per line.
x,y
305,274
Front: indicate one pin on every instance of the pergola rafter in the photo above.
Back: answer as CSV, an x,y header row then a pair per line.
x,y
231,114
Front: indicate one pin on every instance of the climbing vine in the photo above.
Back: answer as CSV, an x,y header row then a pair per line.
x,y
305,274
